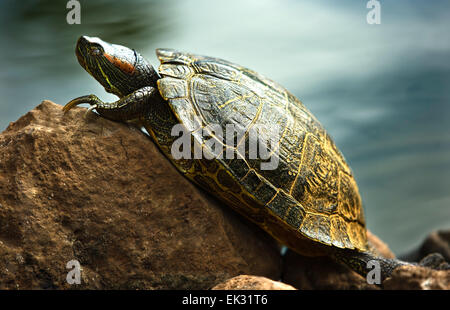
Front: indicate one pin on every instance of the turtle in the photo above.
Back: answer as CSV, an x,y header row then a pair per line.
x,y
309,201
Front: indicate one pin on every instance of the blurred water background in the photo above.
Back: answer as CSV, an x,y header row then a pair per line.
x,y
382,91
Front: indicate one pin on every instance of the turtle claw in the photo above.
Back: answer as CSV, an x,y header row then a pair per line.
x,y
93,107
89,99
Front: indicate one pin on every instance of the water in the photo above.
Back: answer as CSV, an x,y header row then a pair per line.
x,y
382,91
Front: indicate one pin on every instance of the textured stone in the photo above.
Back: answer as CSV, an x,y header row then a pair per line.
x,y
246,282
320,273
100,192
417,278
379,246
436,242
323,273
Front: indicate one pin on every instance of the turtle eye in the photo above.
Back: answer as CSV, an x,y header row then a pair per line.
x,y
95,51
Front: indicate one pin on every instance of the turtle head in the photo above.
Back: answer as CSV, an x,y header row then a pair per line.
x,y
119,69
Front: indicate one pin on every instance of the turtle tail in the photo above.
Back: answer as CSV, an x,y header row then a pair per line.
x,y
374,268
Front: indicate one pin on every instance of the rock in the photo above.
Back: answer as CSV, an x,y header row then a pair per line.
x,y
323,273
435,261
99,192
307,273
379,246
246,282
320,273
417,278
436,242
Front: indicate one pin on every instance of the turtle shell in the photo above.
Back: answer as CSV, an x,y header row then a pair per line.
x,y
311,194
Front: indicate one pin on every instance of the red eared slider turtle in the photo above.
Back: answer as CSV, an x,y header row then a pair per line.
x,y
309,202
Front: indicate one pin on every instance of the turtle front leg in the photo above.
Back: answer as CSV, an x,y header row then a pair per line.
x,y
130,107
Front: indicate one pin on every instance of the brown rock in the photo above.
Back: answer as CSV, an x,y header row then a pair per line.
x,y
379,246
323,273
435,261
417,278
100,192
246,282
436,242
320,273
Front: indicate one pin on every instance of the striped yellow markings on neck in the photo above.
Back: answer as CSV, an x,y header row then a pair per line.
x,y
111,86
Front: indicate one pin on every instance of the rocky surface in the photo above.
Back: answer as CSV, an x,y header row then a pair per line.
x,y
323,273
418,278
320,273
436,242
76,187
85,188
379,247
246,282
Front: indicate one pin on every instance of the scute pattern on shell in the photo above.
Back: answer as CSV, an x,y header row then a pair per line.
x,y
312,192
